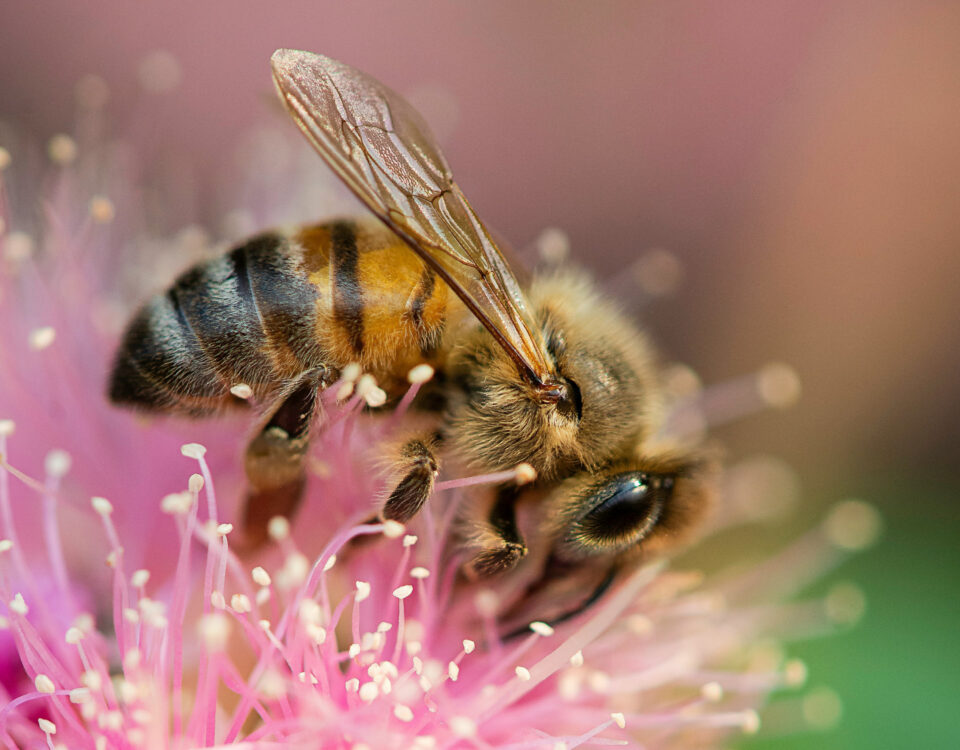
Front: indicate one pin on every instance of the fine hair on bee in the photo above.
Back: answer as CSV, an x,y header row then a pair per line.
x,y
549,374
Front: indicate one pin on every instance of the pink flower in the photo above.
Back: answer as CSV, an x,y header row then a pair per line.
x,y
325,642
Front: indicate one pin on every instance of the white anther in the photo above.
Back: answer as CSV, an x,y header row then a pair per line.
x,y
409,540
522,673
7,427
101,209
177,503
363,590
419,572
80,695
18,247
369,691
403,592
111,720
553,245
375,397
85,622
41,338
352,685
468,646
365,384
577,659
278,528
619,719
242,390
57,463
215,631
132,659
453,671
524,473
62,149
795,672
853,525
218,600
224,528
5,545
404,713
317,633
393,529
328,565
294,571
18,605
73,636
193,450
44,684
712,692
779,385
195,483
240,603
47,726
463,726
310,611
420,374
139,578
541,628
260,576
351,372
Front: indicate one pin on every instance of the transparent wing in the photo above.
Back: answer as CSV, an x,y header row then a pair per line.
x,y
384,151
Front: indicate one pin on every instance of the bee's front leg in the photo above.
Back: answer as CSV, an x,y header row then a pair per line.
x,y
498,537
415,469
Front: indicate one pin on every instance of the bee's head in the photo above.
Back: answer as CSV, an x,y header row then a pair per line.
x,y
587,530
604,396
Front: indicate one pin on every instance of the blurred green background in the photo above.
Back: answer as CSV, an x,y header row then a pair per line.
x,y
801,161
897,672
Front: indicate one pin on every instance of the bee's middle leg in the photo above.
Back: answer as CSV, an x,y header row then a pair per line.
x,y
275,462
416,468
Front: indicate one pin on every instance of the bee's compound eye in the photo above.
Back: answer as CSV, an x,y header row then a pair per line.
x,y
624,509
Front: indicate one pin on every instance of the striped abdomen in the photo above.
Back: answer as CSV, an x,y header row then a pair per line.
x,y
276,307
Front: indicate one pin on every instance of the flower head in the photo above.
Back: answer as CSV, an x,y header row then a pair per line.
x,y
130,621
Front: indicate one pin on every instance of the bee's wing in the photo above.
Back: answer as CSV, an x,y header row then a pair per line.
x,y
384,151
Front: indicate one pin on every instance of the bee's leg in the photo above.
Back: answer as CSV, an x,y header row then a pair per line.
x,y
596,593
416,468
501,544
275,461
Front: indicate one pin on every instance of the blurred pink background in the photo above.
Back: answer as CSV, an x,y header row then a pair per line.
x,y
802,160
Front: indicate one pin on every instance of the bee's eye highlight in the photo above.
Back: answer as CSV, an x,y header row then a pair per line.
x,y
624,509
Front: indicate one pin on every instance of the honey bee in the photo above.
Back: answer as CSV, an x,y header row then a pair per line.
x,y
551,375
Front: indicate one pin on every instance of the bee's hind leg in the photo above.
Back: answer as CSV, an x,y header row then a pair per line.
x,y
501,544
275,461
